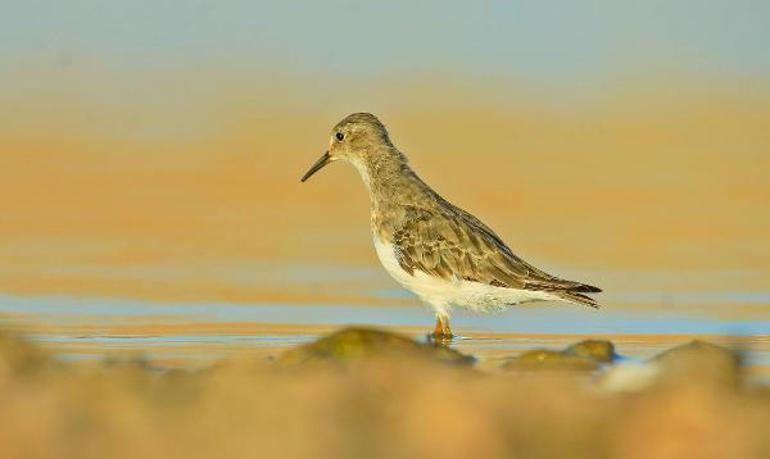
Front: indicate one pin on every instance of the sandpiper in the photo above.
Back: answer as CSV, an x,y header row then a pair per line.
x,y
443,254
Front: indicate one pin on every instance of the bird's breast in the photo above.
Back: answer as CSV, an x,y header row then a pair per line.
x,y
387,254
428,288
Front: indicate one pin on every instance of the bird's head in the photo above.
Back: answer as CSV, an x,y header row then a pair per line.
x,y
358,139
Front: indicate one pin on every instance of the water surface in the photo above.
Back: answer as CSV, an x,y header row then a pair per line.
x,y
199,334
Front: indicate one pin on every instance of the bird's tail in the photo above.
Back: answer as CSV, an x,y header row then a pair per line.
x,y
573,292
578,297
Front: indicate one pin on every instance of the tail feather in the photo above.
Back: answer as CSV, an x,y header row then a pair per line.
x,y
561,284
585,288
574,292
574,296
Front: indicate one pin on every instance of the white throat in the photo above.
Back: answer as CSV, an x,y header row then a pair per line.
x,y
363,171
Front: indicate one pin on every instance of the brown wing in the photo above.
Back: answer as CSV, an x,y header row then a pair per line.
x,y
446,241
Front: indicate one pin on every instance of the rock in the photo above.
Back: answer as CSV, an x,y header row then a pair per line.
x,y
544,359
695,362
586,355
629,377
353,343
594,349
20,358
702,360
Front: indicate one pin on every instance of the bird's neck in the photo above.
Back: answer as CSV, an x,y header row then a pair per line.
x,y
389,179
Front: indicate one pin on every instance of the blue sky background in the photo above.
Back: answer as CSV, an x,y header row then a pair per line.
x,y
561,43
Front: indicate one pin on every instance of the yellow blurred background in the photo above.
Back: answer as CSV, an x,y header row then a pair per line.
x,y
150,196
154,150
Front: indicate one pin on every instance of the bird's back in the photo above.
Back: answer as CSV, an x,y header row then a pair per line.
x,y
430,235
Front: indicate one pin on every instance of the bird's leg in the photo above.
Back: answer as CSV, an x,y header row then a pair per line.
x,y
442,330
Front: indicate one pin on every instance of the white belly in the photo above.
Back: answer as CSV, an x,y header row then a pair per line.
x,y
441,294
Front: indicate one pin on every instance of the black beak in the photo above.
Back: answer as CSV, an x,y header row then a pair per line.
x,y
322,161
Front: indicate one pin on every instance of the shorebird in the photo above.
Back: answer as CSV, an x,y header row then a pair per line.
x,y
441,253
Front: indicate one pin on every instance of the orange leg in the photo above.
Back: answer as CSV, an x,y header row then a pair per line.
x,y
442,330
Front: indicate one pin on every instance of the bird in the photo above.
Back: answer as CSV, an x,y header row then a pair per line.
x,y
438,251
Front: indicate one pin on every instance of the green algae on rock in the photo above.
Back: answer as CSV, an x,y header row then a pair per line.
x,y
356,343
586,355
594,349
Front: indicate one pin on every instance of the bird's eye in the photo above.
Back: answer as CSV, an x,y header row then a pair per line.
x,y
340,136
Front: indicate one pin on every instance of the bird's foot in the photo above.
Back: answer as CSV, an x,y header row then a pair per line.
x,y
441,338
442,333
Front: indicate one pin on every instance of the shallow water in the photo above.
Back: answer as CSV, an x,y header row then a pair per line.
x,y
194,335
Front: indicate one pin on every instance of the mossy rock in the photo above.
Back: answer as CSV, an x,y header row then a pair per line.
x,y
355,343
586,355
602,351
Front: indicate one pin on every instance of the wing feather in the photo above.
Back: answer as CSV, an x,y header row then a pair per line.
x,y
446,241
